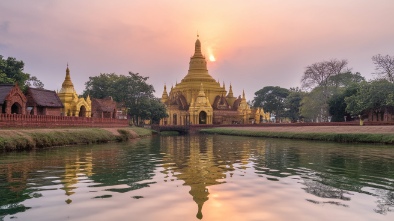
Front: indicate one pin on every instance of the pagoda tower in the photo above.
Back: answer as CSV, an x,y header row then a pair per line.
x,y
200,99
73,105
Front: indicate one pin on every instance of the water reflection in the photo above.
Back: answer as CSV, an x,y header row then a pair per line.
x,y
195,161
328,174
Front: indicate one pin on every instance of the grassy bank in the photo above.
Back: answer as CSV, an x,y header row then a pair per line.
x,y
332,137
38,138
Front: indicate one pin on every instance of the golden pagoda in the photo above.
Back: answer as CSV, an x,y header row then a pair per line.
x,y
200,99
73,105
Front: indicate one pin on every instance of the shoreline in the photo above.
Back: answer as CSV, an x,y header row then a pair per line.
x,y
28,139
339,134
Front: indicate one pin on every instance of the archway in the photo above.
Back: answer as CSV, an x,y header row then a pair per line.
x,y
16,108
174,119
82,111
202,118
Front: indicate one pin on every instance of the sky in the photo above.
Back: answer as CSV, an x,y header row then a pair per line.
x,y
256,43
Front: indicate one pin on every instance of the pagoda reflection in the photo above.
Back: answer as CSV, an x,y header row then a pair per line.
x,y
200,163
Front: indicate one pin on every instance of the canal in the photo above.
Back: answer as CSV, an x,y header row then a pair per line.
x,y
202,177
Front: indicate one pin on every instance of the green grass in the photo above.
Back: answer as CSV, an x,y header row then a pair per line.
x,y
71,136
19,139
332,137
142,132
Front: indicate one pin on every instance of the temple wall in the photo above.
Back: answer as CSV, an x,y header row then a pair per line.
x,y
53,111
20,120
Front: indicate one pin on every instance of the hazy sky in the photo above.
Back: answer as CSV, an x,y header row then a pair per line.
x,y
256,43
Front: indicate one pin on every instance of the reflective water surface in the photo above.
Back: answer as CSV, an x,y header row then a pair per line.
x,y
200,177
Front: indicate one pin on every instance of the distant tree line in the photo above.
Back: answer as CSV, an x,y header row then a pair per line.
x,y
132,90
330,91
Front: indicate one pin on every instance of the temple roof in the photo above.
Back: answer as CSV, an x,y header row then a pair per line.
x,y
43,98
5,89
106,105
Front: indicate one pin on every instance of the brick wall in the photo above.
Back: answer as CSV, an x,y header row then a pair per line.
x,y
31,121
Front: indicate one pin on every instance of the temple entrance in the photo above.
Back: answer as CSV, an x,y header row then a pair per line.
x,y
82,111
16,108
174,119
202,118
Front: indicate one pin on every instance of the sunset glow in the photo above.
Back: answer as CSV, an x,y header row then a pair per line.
x,y
269,40
212,58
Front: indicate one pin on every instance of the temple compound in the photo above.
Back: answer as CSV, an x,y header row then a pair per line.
x,y
200,99
73,105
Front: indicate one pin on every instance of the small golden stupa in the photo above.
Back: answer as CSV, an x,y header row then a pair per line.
x,y
73,105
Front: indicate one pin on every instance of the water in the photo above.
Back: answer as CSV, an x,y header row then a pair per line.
x,y
200,177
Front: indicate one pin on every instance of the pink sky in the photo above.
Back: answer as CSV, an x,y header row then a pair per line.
x,y
256,43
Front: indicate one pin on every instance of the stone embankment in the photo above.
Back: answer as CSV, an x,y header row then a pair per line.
x,y
25,139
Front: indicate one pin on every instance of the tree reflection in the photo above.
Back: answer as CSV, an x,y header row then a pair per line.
x,y
331,170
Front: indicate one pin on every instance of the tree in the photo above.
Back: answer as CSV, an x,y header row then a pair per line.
x,y
11,71
293,104
104,85
318,74
337,104
271,99
34,82
322,77
345,79
314,106
132,89
374,96
343,85
157,111
384,66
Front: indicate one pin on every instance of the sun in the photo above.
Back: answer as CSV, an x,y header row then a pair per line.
x,y
212,58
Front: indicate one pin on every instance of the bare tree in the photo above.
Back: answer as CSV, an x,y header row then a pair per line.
x,y
317,74
317,79
384,66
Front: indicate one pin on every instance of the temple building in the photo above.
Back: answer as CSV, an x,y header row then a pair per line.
x,y
12,99
104,108
200,99
73,105
43,102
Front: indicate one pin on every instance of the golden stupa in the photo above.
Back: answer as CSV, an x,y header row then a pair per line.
x,y
200,99
73,105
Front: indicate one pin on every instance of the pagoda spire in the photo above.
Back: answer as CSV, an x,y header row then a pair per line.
x,y
230,92
197,48
164,96
67,85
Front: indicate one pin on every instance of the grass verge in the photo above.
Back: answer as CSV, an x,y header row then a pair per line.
x,y
39,138
142,132
332,137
